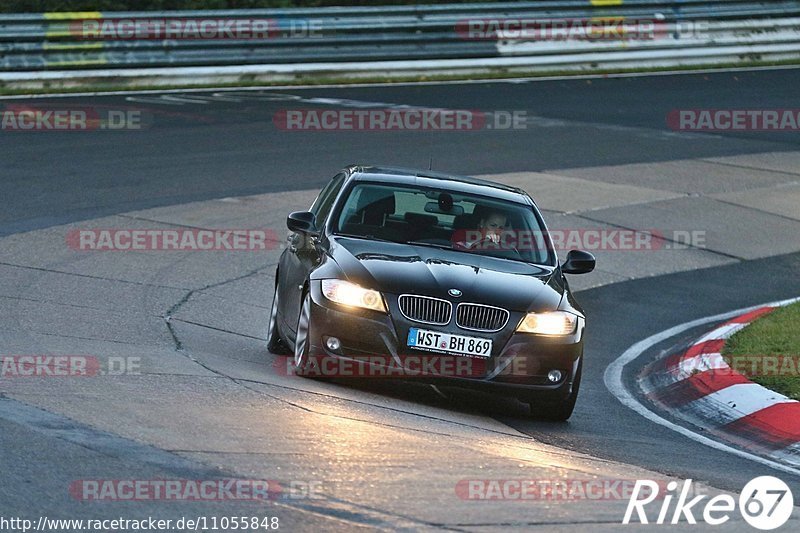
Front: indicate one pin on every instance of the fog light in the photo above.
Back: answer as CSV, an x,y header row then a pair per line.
x,y
333,344
554,376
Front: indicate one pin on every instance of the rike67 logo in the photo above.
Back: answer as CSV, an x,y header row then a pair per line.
x,y
766,503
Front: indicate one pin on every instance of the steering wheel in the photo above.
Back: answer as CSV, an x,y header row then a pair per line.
x,y
492,245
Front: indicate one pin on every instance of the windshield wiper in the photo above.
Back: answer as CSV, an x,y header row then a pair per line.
x,y
430,244
365,237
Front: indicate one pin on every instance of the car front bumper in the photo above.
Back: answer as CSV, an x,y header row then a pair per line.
x,y
373,344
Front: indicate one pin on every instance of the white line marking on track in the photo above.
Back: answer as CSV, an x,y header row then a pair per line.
x,y
167,99
151,100
722,332
614,383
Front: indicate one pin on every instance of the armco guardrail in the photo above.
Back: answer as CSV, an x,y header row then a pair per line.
x,y
393,39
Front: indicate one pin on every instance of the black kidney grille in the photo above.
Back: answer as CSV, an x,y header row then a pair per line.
x,y
425,309
481,317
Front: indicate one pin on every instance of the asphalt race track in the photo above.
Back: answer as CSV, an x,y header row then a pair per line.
x,y
196,152
209,403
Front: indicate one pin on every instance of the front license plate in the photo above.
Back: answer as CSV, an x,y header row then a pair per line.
x,y
436,341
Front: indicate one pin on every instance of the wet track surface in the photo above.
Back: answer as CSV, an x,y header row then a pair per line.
x,y
217,149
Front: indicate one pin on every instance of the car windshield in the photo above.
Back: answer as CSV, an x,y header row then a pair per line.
x,y
434,217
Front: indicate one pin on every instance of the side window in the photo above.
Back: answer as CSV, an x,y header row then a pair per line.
x,y
324,202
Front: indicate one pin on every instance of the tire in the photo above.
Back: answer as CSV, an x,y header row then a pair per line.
x,y
557,411
301,344
274,342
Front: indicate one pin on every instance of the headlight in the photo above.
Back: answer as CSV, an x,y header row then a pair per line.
x,y
350,294
553,323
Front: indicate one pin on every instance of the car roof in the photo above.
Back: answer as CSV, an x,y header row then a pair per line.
x,y
462,184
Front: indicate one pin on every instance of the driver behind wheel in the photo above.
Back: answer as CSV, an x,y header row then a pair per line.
x,y
490,227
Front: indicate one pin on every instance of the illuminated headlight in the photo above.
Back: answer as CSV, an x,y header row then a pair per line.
x,y
346,293
553,323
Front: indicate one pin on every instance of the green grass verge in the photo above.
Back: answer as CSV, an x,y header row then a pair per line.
x,y
499,74
777,333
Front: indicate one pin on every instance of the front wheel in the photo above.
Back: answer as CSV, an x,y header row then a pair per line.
x,y
301,343
561,410
274,342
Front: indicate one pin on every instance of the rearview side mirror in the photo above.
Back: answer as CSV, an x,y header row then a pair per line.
x,y
578,262
301,222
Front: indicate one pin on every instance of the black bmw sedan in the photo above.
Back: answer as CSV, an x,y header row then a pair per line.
x,y
404,273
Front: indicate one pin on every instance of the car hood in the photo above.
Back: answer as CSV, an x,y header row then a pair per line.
x,y
402,269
